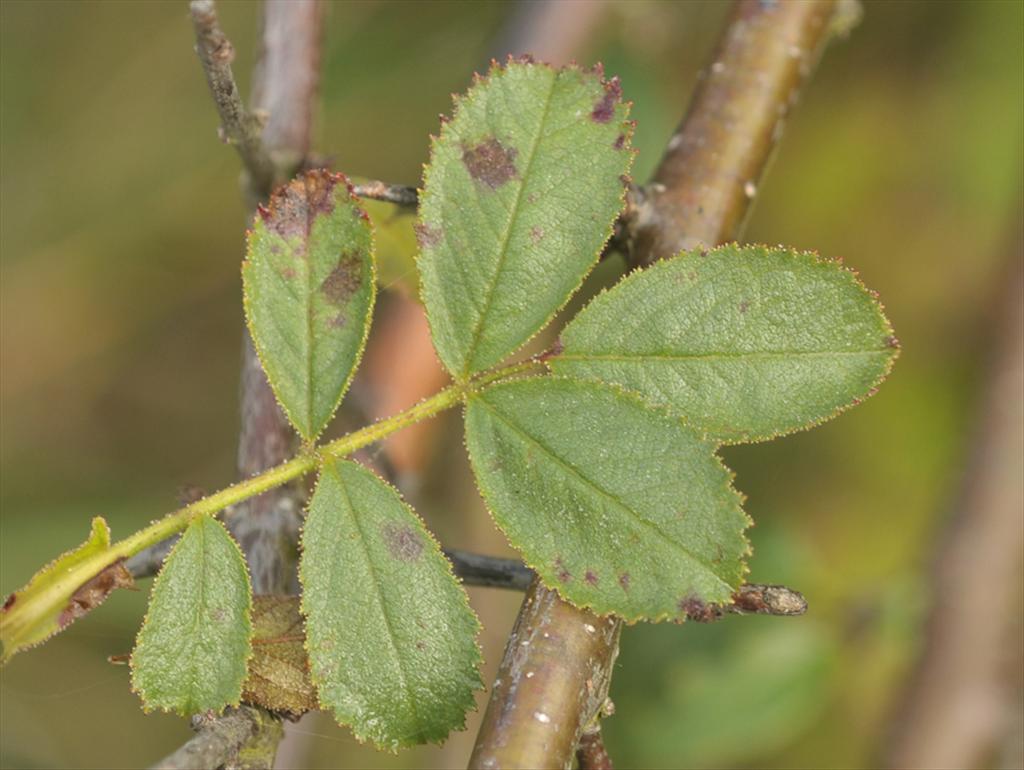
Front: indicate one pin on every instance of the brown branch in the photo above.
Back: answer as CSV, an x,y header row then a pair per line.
x,y
711,172
239,127
284,88
591,753
962,702
218,740
552,681
286,78
267,527
272,141
700,194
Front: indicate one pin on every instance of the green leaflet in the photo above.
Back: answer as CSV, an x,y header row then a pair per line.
x,y
390,635
747,342
61,592
309,288
191,653
617,506
519,196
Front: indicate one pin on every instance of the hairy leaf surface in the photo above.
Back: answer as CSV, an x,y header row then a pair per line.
x,y
390,635
746,342
309,291
279,670
617,506
191,653
519,197
60,593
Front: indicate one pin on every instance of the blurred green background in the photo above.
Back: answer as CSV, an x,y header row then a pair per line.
x,y
121,239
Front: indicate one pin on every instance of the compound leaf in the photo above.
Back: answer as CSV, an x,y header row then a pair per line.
x,y
309,289
617,506
746,342
192,650
389,632
519,196
61,592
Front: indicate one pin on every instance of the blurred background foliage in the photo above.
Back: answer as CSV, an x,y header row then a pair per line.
x,y
122,234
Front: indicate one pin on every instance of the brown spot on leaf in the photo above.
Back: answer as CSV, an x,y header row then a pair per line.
x,y
9,602
591,578
338,322
490,162
288,273
624,581
427,235
293,207
403,542
536,234
344,280
604,110
744,306
694,609
620,142
564,575
421,646
891,342
94,591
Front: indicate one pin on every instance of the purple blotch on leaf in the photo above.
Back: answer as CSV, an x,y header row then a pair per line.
x,y
293,207
403,542
604,110
564,575
694,609
344,280
490,162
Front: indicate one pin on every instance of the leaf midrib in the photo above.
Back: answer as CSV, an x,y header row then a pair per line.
x,y
200,592
507,235
603,492
309,311
763,355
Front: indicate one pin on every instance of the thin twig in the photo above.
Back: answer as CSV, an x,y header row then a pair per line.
x,y
239,127
721,148
402,195
472,568
218,740
493,571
